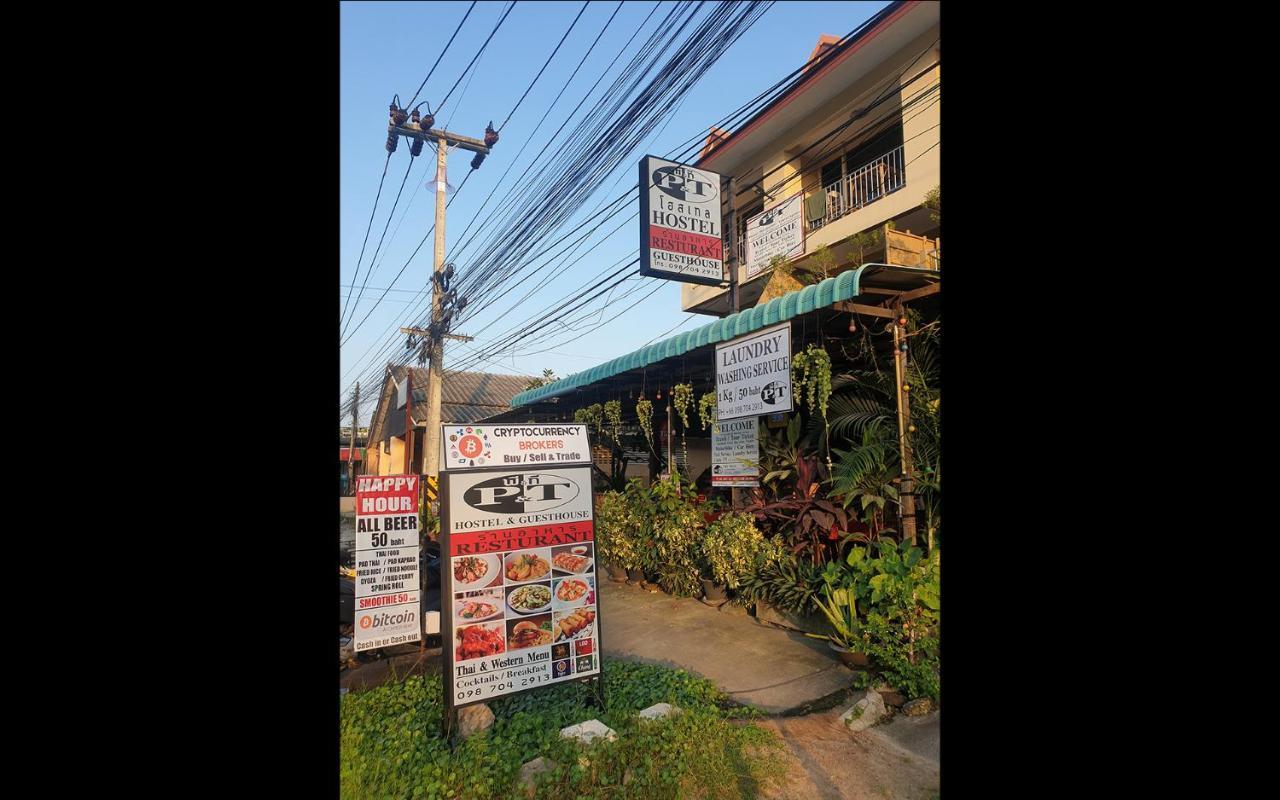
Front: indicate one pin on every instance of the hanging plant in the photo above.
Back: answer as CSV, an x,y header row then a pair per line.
x,y
707,409
811,375
682,399
613,415
592,416
644,410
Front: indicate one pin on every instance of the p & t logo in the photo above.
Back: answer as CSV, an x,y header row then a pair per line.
x,y
521,493
685,184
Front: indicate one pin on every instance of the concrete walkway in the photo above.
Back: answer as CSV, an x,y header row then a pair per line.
x,y
771,669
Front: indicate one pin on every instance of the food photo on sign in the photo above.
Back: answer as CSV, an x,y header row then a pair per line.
x,y
574,624
529,598
479,641
528,565
574,592
478,606
574,559
476,572
531,632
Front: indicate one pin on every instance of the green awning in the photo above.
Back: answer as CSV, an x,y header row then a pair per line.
x,y
844,286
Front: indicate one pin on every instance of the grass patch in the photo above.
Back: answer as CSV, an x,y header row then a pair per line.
x,y
391,745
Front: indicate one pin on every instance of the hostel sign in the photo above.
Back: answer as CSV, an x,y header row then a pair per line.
x,y
387,588
753,374
680,230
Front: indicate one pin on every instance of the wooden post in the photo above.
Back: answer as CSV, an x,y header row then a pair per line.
x,y
905,494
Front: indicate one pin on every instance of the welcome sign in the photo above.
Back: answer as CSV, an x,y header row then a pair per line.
x,y
776,231
680,230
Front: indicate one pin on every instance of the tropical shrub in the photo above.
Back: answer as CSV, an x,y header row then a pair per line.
x,y
787,582
733,548
616,532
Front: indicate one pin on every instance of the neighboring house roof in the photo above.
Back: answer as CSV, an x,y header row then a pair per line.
x,y
465,397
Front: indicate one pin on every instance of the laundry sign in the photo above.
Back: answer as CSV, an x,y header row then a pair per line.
x,y
753,374
680,226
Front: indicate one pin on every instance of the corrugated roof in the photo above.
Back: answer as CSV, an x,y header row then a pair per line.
x,y
844,286
465,396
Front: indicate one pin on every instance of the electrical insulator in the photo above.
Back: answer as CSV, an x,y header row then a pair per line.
x,y
397,119
490,135
477,161
448,271
415,148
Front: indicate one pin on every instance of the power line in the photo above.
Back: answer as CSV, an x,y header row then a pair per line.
x,y
442,52
369,227
477,55
381,238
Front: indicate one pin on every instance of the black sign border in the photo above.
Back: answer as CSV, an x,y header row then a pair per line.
x,y
449,721
645,269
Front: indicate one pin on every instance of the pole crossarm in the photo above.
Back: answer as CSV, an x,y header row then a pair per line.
x,y
412,131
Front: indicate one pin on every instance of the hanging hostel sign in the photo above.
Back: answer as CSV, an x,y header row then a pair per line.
x,y
776,231
753,374
519,595
680,229
735,453
387,588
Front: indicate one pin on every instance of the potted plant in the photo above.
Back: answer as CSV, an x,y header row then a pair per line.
x,y
732,550
615,543
839,606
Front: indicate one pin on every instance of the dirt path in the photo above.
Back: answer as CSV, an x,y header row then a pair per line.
x,y
825,762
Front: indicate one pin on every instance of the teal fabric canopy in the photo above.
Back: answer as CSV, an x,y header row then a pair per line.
x,y
844,286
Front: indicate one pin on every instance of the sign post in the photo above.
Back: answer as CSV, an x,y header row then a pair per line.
x,y
517,540
387,538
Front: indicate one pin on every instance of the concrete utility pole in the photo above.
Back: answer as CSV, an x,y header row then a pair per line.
x,y
435,345
351,451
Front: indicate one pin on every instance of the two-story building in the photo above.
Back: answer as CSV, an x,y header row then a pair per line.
x,y
855,145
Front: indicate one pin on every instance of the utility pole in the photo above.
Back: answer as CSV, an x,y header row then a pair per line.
x,y
408,419
419,131
351,451
733,246
906,493
735,494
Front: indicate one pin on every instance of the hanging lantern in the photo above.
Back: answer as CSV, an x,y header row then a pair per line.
x,y
903,347
853,323
911,429
902,321
906,387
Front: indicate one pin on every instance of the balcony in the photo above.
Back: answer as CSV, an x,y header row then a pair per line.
x,y
870,182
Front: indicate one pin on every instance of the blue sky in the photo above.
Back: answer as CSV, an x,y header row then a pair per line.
x,y
387,48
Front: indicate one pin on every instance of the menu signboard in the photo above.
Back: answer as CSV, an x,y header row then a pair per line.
x,y
520,591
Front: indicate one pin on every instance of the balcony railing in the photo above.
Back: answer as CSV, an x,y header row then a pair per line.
x,y
863,186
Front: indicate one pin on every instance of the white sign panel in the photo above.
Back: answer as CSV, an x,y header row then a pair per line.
x,y
504,445
387,590
680,227
753,374
520,603
735,453
776,231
